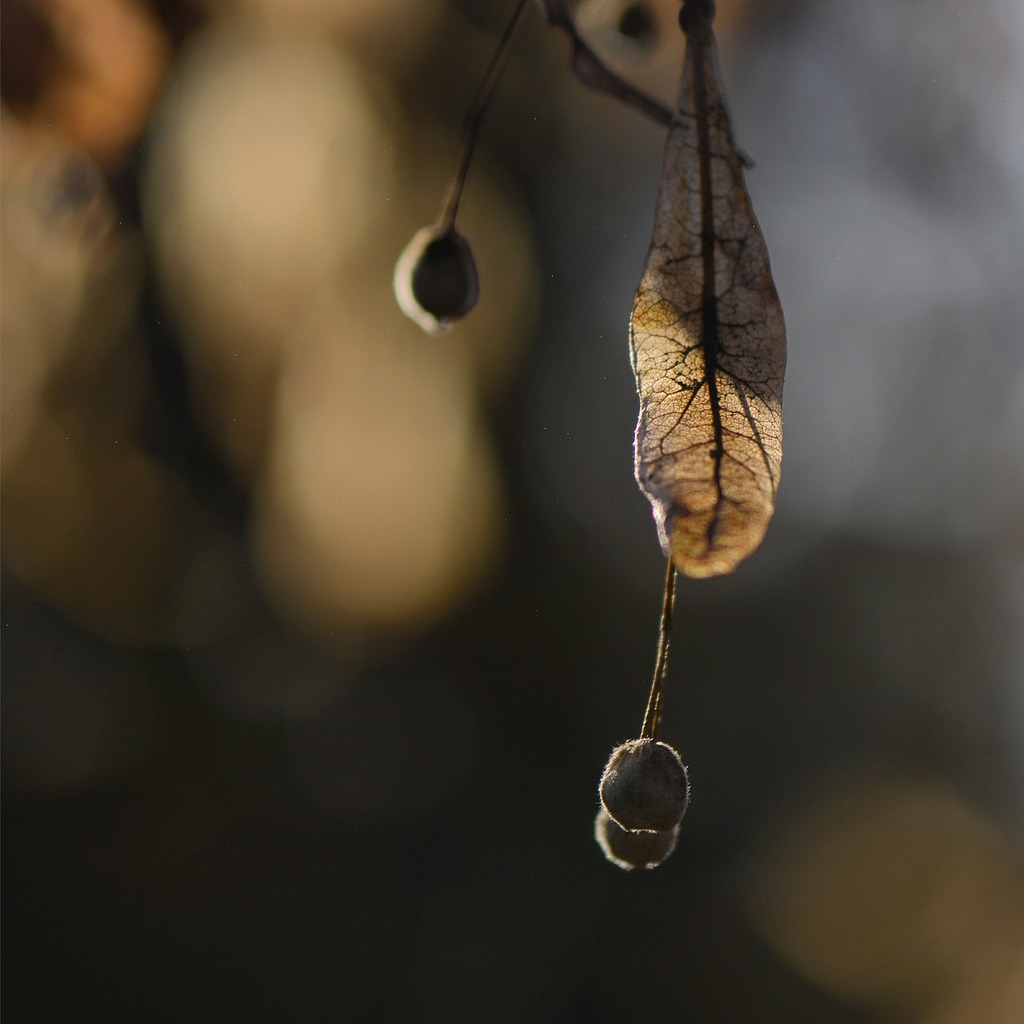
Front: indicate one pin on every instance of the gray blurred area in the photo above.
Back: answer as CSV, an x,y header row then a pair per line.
x,y
318,631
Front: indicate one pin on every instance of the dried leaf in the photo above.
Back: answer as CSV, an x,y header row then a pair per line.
x,y
707,338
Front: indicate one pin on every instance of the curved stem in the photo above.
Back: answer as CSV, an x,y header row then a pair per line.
x,y
652,716
477,112
588,67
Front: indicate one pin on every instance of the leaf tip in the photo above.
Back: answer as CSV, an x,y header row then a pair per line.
x,y
711,543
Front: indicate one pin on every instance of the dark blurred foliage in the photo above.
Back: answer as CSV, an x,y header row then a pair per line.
x,y
318,631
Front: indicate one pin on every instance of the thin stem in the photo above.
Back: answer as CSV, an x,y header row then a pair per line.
x,y
652,716
477,112
589,68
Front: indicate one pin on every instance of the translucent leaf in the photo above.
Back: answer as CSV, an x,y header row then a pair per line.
x,y
707,338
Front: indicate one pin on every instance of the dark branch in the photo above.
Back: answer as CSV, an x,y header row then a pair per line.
x,y
593,72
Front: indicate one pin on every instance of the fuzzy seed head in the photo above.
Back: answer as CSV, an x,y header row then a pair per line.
x,y
645,787
435,281
629,850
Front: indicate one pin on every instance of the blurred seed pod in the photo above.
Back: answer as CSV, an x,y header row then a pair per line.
x,y
629,850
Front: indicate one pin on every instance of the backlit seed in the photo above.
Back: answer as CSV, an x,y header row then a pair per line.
x,y
645,786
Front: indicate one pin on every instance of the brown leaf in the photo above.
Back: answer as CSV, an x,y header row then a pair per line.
x,y
707,338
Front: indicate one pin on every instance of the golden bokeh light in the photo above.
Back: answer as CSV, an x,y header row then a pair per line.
x,y
898,894
381,502
280,188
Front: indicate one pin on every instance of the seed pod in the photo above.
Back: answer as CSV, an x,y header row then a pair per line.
x,y
435,281
638,24
629,850
645,787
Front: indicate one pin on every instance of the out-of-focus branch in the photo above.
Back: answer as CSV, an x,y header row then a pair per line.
x,y
593,72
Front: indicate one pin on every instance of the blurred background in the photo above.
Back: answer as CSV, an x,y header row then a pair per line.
x,y
318,631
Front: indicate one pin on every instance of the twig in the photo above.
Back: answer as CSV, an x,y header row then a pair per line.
x,y
652,716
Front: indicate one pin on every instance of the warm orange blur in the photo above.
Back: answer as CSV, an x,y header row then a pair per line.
x,y
318,629
896,893
276,193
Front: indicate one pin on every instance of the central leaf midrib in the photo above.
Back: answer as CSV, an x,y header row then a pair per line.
x,y
709,298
